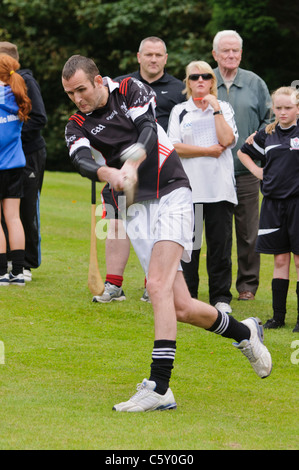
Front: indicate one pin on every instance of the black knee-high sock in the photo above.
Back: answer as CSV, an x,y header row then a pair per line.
x,y
162,365
17,258
279,298
3,264
228,327
297,292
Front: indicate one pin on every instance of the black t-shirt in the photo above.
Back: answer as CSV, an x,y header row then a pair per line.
x,y
109,130
279,154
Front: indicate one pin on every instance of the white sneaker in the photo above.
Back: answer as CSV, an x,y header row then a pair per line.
x,y
110,293
27,275
254,348
16,280
146,399
223,307
145,297
4,280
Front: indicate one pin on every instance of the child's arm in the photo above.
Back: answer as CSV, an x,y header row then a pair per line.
x,y
250,165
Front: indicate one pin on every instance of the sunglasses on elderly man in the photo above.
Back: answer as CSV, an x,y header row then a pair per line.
x,y
195,76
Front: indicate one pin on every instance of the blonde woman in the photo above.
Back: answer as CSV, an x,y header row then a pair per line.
x,y
277,146
14,109
203,131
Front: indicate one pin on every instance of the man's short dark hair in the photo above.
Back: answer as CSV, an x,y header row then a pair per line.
x,y
79,62
152,39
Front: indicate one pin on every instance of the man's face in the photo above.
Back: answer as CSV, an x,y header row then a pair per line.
x,y
229,53
152,60
87,96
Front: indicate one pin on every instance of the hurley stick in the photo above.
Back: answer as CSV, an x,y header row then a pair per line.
x,y
95,281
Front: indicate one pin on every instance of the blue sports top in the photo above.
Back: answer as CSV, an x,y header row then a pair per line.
x,y
11,152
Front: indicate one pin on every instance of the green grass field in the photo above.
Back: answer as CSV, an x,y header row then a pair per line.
x,y
68,360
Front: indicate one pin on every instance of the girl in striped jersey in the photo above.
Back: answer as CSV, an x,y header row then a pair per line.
x,y
277,147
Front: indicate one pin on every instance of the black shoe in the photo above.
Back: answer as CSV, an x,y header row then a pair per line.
x,y
273,324
296,329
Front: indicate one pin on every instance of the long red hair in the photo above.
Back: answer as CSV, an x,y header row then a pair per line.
x,y
8,67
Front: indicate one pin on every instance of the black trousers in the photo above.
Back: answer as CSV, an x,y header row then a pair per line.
x,y
29,208
218,218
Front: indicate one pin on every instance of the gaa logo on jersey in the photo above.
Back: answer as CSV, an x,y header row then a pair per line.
x,y
294,144
97,129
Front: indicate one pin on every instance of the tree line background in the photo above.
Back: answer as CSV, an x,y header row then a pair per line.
x,y
48,33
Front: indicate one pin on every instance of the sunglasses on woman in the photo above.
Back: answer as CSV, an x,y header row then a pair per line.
x,y
195,76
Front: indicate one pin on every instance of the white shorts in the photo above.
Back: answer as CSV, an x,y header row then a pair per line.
x,y
169,218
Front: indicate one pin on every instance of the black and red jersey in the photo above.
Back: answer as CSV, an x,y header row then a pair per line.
x,y
169,92
279,154
109,130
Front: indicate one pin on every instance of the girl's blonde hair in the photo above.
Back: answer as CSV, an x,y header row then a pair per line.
x,y
8,75
284,90
203,67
